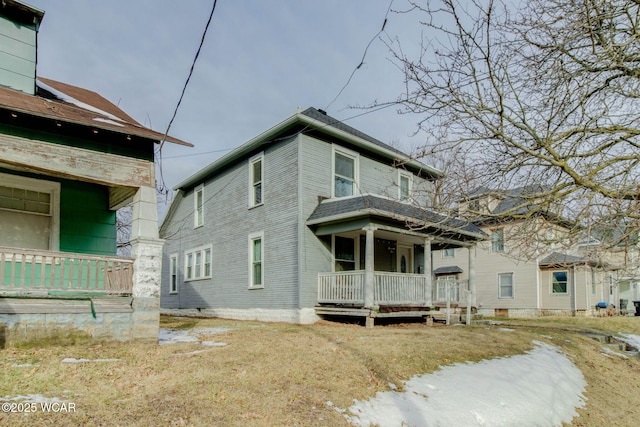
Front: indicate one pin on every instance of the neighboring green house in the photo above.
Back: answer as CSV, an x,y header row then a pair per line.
x,y
68,160
311,217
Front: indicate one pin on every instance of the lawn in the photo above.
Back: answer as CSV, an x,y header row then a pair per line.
x,y
272,374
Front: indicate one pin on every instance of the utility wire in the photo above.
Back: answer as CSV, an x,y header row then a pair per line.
x,y
162,188
193,64
384,23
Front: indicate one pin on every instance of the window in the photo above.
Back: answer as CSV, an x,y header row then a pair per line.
x,y
497,240
256,173
173,274
198,263
29,213
344,251
559,282
256,260
198,208
345,171
449,253
505,285
404,187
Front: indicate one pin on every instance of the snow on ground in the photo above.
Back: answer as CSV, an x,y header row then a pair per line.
x,y
539,388
173,336
632,340
73,360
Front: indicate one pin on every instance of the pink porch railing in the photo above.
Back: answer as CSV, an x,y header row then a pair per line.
x,y
25,270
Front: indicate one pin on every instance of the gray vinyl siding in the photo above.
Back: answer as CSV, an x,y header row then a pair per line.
x,y
228,222
297,174
315,181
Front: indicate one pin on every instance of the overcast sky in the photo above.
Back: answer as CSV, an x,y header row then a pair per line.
x,y
260,61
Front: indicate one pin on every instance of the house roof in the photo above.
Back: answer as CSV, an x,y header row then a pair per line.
x,y
306,121
65,103
345,208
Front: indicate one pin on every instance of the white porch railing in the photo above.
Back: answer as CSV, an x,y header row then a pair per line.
x,y
347,287
24,270
401,289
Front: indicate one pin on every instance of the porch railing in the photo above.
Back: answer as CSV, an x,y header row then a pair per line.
x,y
347,287
24,270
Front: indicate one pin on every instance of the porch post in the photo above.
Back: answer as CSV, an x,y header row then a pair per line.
x,y
472,273
146,249
369,267
426,270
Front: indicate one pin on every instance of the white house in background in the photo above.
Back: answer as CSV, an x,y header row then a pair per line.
x,y
521,270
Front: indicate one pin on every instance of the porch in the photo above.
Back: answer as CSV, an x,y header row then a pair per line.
x,y
25,271
346,288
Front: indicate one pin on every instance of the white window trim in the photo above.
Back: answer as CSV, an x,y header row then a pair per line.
x,y
194,251
513,285
196,216
255,236
503,250
173,289
409,175
42,186
356,249
252,160
444,253
551,282
356,168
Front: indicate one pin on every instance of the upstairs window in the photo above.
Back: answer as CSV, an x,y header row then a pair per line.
x,y
449,253
256,173
497,240
198,206
404,185
345,173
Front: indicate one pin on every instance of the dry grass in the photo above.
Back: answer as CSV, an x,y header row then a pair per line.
x,y
284,375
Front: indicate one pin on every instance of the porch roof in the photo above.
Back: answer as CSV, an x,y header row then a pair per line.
x,y
557,259
407,216
449,269
64,103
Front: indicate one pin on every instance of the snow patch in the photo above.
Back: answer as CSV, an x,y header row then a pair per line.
x,y
540,387
72,360
632,340
173,336
37,398
111,122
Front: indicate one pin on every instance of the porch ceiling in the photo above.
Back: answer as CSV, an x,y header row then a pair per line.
x,y
346,214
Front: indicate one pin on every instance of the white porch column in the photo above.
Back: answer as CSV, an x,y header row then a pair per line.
x,y
369,267
472,274
146,249
426,270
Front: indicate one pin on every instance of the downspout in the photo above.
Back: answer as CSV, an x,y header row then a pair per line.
x,y
575,290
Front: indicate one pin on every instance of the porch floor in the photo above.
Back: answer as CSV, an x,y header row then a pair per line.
x,y
429,315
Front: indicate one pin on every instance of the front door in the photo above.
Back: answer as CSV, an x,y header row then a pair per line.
x,y
405,259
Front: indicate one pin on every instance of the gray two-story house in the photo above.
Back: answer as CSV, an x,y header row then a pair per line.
x,y
308,217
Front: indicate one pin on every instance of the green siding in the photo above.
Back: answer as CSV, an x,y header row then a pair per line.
x,y
17,55
86,224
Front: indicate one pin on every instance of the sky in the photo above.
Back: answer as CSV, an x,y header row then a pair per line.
x,y
260,61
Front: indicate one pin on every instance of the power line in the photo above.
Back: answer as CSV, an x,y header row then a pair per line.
x,y
193,64
384,23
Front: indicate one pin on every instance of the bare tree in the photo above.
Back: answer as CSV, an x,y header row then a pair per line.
x,y
538,92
